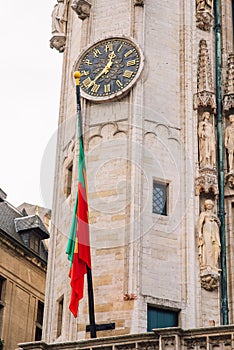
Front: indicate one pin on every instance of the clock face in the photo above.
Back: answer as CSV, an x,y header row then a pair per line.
x,y
109,68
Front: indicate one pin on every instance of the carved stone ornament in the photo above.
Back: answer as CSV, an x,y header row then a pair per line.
x,y
204,16
209,279
228,100
58,42
131,296
204,20
229,179
139,2
206,182
82,8
204,99
205,95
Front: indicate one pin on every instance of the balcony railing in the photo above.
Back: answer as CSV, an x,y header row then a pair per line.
x,y
212,338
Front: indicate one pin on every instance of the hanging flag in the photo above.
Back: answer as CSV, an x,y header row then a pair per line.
x,y
78,246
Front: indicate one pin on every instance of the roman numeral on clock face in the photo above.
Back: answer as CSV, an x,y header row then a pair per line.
x,y
128,74
87,82
107,88
118,82
95,88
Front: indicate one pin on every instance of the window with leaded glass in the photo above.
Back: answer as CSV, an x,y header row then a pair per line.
x,y
160,198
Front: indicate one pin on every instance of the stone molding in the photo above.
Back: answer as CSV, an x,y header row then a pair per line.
x,y
82,8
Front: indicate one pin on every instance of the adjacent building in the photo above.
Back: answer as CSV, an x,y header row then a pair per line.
x,y
23,263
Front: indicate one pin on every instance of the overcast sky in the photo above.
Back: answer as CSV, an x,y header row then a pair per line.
x,y
30,78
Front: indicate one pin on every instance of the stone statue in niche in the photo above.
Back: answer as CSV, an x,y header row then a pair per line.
x,y
208,237
206,142
229,141
59,17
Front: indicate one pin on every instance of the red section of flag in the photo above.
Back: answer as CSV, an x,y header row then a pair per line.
x,y
81,257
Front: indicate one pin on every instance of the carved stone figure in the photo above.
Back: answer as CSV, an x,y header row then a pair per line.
x,y
59,17
229,141
206,141
82,8
204,5
208,236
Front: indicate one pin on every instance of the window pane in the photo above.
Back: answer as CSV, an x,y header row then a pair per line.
x,y
60,317
159,198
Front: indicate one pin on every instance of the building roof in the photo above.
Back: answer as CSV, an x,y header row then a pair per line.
x,y
13,223
30,222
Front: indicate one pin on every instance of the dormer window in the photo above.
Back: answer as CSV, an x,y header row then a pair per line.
x,y
32,231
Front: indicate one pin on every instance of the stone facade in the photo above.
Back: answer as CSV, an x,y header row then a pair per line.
x,y
148,136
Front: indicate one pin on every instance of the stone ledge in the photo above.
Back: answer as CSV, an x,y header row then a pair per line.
x,y
155,340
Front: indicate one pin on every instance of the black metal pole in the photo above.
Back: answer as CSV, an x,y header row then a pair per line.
x,y
89,273
93,333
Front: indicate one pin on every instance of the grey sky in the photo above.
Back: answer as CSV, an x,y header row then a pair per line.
x,y
30,78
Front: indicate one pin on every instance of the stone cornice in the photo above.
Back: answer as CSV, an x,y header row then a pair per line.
x,y
20,250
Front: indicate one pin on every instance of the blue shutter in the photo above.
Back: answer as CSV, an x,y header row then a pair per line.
x,y
161,318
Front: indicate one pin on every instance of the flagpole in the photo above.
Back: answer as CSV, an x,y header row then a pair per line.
x,y
93,333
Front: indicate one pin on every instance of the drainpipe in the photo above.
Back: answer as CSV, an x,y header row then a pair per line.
x,y
224,298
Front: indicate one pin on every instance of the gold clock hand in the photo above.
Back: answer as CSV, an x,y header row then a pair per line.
x,y
105,70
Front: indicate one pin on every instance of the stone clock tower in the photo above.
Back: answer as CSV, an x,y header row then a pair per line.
x,y
149,119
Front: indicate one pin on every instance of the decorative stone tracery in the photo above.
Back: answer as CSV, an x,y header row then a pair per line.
x,y
205,96
228,100
206,182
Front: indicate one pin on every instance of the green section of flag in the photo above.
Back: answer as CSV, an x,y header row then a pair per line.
x,y
72,234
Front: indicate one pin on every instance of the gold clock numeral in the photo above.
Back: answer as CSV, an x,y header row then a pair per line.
x,y
96,52
87,82
84,72
118,82
131,63
120,47
109,47
88,62
128,74
107,88
128,53
95,88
